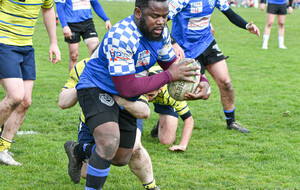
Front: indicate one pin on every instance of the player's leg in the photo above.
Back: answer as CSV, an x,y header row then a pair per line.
x,y
92,44
167,129
281,20
102,120
271,13
140,162
73,54
90,36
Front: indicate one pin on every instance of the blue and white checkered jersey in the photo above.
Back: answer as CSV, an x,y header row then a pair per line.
x,y
76,10
124,51
191,23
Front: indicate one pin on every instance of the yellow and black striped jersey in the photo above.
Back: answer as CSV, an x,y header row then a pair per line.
x,y
18,18
164,98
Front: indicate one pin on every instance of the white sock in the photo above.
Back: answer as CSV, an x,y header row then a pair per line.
x,y
281,40
265,40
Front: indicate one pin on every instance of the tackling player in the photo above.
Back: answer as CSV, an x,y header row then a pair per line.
x,y
17,64
168,110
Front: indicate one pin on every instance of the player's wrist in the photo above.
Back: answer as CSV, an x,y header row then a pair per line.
x,y
248,25
204,79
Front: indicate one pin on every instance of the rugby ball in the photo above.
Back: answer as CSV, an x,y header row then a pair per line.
x,y
178,89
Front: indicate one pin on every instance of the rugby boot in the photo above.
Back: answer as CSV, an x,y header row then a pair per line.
x,y
238,127
154,131
75,164
6,158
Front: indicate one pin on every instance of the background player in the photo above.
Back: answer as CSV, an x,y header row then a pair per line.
x,y
17,63
77,20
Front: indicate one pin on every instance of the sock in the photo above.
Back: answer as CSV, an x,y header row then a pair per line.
x,y
97,171
265,40
149,185
89,149
4,144
229,116
281,40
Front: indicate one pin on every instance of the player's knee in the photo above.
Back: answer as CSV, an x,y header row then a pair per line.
x,y
167,140
74,56
136,154
15,100
108,146
226,85
121,161
26,103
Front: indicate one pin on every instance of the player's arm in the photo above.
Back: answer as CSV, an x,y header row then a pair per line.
x,y
50,24
60,4
100,12
188,125
240,22
67,98
138,109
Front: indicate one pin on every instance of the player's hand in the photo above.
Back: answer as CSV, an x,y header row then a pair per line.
x,y
67,32
262,6
108,24
290,10
120,101
180,71
253,29
178,51
54,54
178,148
201,92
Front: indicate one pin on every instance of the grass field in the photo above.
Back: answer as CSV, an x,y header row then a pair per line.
x,y
266,86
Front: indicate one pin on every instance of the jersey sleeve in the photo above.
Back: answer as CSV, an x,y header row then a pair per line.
x,y
74,74
175,6
222,5
119,47
48,4
167,53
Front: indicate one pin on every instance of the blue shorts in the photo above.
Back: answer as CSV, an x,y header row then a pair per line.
x,y
85,135
17,62
163,109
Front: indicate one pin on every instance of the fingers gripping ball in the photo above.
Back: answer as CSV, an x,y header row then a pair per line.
x,y
178,89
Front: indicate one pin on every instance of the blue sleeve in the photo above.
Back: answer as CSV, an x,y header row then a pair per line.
x,y
99,10
61,14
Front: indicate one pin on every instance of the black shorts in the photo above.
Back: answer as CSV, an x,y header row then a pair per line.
x,y
211,55
99,107
86,29
277,9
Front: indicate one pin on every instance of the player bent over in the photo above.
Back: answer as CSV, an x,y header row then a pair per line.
x,y
168,110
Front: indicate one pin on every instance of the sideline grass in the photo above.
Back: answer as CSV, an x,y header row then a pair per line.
x,y
266,85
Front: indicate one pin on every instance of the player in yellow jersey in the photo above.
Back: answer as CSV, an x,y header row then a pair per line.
x,y
17,64
140,162
168,110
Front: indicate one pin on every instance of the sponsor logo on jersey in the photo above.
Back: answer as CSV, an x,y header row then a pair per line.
x,y
81,4
212,3
143,58
116,56
199,23
196,7
106,99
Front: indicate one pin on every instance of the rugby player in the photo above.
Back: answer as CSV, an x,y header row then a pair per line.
x,y
17,64
77,20
275,7
191,30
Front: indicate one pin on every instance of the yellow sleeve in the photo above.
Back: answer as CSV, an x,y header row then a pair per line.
x,y
48,4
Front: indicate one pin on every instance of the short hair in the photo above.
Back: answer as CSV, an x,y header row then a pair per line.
x,y
143,4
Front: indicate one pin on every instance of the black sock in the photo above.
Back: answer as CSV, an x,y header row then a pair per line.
x,y
229,116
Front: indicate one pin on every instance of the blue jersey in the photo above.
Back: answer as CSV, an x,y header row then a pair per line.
x,y
277,2
191,23
76,10
124,51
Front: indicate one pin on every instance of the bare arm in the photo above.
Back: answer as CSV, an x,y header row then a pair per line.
x,y
67,98
186,135
50,24
137,109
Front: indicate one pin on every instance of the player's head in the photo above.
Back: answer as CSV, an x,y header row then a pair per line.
x,y
151,95
151,17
